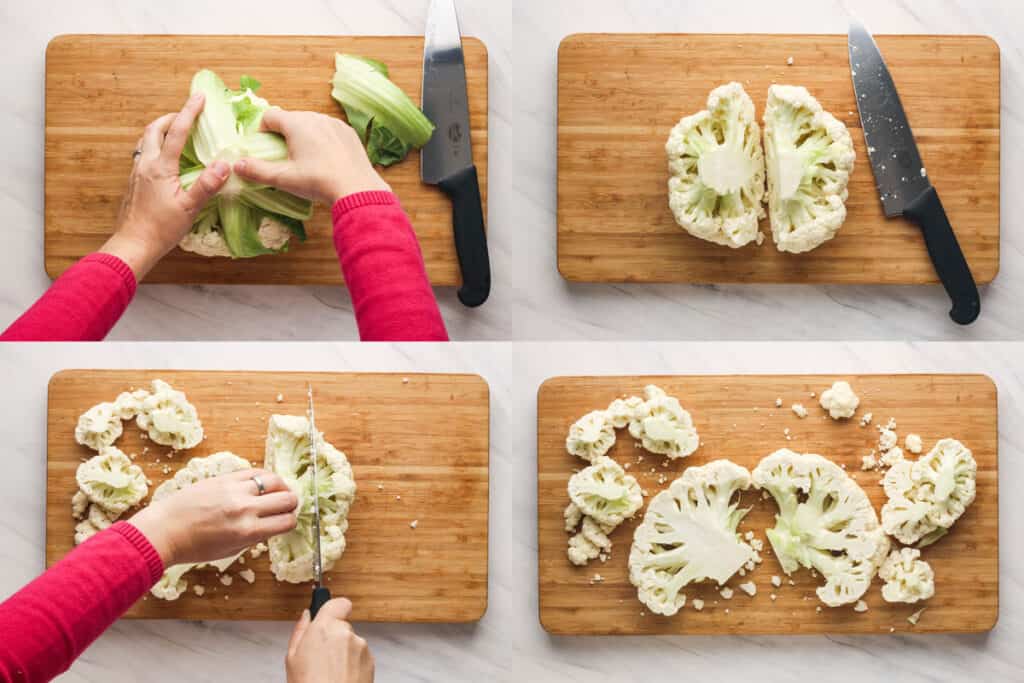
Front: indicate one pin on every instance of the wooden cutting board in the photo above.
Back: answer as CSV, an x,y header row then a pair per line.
x,y
620,95
737,419
418,445
102,90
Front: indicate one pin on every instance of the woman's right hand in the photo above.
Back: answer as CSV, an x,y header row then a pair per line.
x,y
326,158
328,650
218,517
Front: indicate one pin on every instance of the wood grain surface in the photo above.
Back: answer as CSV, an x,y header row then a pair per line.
x,y
620,95
102,90
737,419
418,445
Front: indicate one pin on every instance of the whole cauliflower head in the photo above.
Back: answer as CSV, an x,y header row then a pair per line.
x,y
288,455
605,492
99,427
928,495
825,522
840,401
621,411
662,426
810,160
591,436
112,481
169,419
907,578
689,534
716,167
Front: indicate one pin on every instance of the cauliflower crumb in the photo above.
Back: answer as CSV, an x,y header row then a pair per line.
x,y
750,588
914,444
405,380
865,419
887,439
698,604
398,498
757,544
247,575
596,578
726,593
257,550
778,402
799,409
892,456
916,616
818,608
773,597
869,462
414,523
226,579
748,536
924,172
227,597
776,580
380,487
861,606
198,590
789,61
280,398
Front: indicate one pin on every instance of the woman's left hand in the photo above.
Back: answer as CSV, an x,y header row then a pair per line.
x,y
157,212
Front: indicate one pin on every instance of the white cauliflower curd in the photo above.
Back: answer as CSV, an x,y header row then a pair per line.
x,y
662,426
168,418
840,401
928,495
810,159
825,522
689,534
112,481
717,171
99,427
591,436
605,492
907,578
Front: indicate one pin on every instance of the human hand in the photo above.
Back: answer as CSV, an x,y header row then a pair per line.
x,y
156,211
218,517
326,158
327,650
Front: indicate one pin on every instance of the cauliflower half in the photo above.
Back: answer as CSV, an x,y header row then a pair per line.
x,y
605,493
111,481
591,436
840,401
173,584
662,426
288,455
689,534
99,427
169,418
825,522
810,159
928,495
716,166
907,578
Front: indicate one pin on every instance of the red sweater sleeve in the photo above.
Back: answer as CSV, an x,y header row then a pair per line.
x,y
46,625
383,268
82,305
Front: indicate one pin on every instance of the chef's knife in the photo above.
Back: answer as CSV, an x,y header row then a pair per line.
x,y
901,178
447,159
320,594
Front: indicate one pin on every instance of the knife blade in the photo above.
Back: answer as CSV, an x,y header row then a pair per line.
x,y
900,176
447,158
320,594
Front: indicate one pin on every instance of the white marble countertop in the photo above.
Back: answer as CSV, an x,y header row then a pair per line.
x,y
509,644
530,300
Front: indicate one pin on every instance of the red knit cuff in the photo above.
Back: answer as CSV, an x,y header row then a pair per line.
x,y
361,199
145,548
116,265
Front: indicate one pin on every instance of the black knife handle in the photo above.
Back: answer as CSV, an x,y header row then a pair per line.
x,y
463,189
321,595
947,256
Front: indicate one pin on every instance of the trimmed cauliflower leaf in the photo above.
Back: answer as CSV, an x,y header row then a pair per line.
x,y
825,522
717,170
662,426
605,492
689,534
810,159
169,418
591,436
840,401
907,578
112,481
928,495
288,455
99,427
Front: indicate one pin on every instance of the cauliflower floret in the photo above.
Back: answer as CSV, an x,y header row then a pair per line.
x,y
96,521
840,401
169,418
99,427
288,455
914,444
907,578
661,425
717,170
825,522
892,456
79,505
810,159
128,404
111,481
172,584
591,436
605,492
622,410
689,534
887,439
590,542
928,495
573,516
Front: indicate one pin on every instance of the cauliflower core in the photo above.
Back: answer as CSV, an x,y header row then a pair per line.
x,y
689,534
825,522
662,426
840,401
717,170
809,161
907,578
111,481
591,436
169,418
928,495
288,455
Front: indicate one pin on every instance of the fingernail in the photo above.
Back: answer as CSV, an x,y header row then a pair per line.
x,y
220,168
240,166
196,97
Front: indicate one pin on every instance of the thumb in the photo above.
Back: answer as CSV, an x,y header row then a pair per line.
x,y
300,630
263,172
207,185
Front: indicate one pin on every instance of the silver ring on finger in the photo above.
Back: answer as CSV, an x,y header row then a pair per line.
x,y
260,488
136,154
